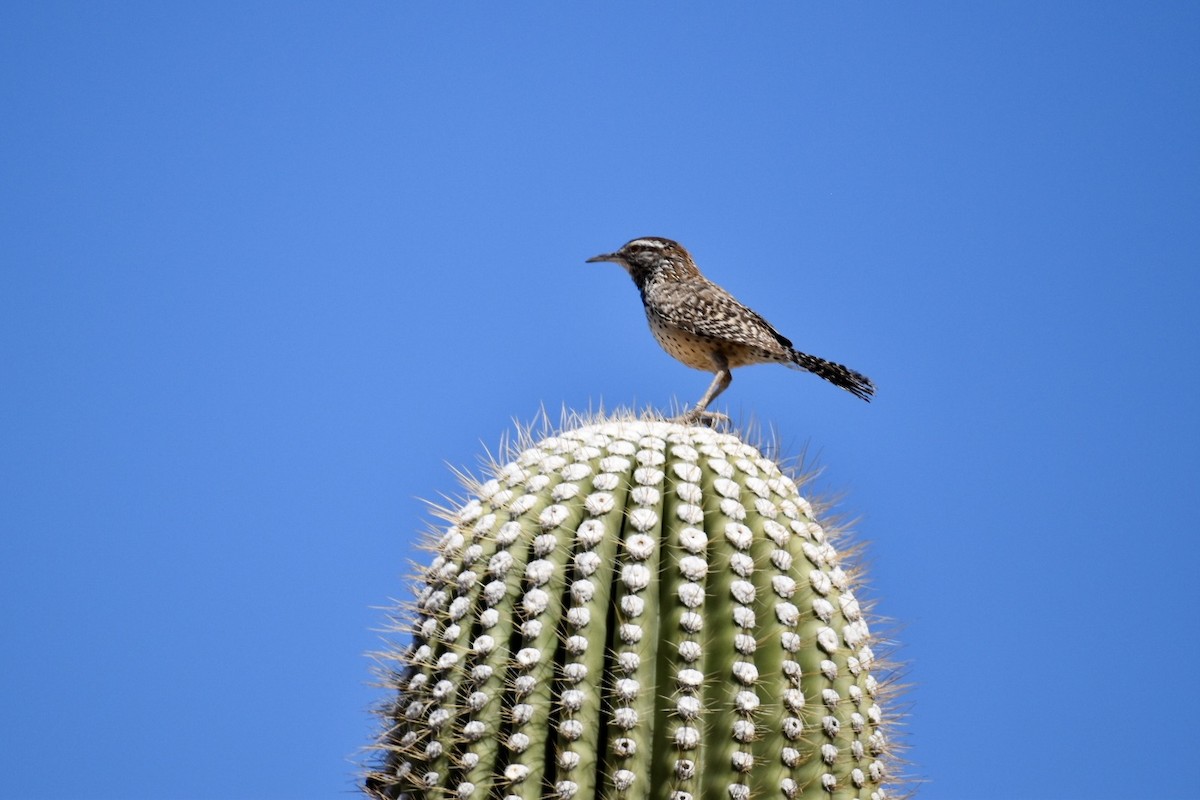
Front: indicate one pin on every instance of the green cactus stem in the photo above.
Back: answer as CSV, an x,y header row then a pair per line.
x,y
635,609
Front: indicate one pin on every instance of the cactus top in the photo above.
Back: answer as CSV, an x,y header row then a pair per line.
x,y
635,609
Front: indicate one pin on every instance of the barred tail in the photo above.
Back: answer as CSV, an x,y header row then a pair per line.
x,y
856,383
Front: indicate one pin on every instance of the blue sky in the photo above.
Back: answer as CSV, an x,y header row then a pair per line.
x,y
266,269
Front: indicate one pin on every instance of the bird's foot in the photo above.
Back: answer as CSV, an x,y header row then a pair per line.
x,y
701,416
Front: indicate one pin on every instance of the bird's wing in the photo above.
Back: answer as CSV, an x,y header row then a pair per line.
x,y
710,311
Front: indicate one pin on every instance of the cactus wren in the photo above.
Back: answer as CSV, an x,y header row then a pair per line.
x,y
703,326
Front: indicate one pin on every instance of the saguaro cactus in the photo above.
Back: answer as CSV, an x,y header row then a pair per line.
x,y
635,609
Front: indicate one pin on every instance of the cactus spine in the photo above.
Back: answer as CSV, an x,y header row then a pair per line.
x,y
635,609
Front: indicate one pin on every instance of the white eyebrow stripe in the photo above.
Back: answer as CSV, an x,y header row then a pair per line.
x,y
655,243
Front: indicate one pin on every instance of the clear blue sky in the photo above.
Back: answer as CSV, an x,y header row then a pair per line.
x,y
266,268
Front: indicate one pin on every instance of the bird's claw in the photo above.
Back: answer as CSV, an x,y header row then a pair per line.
x,y
703,417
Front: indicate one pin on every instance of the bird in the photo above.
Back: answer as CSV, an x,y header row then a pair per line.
x,y
701,325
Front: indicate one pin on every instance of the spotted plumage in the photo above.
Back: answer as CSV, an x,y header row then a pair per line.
x,y
703,326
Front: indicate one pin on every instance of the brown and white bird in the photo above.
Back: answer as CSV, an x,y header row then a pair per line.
x,y
703,326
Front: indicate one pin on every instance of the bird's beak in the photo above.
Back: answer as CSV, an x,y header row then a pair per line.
x,y
602,257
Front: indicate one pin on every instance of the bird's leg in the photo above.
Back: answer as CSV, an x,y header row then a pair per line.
x,y
720,383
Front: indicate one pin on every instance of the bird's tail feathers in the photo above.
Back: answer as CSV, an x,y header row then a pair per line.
x,y
856,383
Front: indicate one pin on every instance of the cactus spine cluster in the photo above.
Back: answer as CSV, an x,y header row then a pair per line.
x,y
635,609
